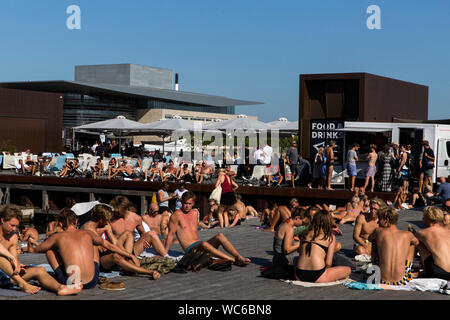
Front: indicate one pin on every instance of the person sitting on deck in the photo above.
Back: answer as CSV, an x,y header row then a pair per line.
x,y
446,212
366,223
352,210
317,248
185,175
12,272
395,248
244,210
68,165
205,173
276,215
125,220
100,224
98,168
26,233
170,172
434,244
157,219
211,220
112,168
184,223
73,255
285,243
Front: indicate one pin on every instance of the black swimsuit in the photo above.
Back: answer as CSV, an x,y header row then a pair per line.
x,y
310,275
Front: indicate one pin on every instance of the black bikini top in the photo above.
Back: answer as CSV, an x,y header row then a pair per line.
x,y
309,246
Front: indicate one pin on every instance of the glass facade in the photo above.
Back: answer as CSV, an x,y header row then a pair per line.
x,y
82,109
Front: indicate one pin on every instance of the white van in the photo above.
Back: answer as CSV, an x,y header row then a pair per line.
x,y
438,135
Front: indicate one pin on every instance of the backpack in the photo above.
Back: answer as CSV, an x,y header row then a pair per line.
x,y
220,265
193,261
409,162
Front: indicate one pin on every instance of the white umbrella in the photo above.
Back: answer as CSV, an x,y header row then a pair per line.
x,y
118,124
241,122
283,124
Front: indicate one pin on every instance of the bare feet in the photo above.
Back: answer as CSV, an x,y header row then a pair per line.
x,y
156,275
28,288
70,290
269,230
242,262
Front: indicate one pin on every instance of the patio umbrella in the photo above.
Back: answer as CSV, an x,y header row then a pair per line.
x,y
241,122
283,124
118,125
166,127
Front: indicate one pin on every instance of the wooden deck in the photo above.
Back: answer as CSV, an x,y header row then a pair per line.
x,y
240,283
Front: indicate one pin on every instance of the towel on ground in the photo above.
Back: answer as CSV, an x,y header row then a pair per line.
x,y
151,252
313,284
420,284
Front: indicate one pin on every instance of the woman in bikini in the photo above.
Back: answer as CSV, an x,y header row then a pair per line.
x,y
352,210
227,198
317,248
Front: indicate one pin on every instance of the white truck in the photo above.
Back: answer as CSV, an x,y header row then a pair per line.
x,y
379,133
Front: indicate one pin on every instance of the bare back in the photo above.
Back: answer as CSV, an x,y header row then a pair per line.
x,y
437,241
76,249
393,250
130,222
372,158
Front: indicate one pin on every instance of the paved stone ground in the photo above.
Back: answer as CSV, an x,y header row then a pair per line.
x,y
240,283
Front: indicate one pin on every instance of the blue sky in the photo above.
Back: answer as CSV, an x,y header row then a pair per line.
x,y
248,49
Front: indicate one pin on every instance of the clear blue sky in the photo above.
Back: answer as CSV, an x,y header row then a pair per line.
x,y
243,49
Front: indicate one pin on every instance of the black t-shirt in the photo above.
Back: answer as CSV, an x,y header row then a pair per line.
x,y
426,162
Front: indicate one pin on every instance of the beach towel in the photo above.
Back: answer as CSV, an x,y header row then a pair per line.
x,y
161,264
420,284
151,252
14,293
313,284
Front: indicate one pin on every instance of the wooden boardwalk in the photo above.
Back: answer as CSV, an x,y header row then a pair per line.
x,y
240,283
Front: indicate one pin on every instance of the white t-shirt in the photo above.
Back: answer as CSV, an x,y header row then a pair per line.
x,y
267,154
259,155
178,203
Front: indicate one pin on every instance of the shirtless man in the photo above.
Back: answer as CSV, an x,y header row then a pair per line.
x,y
372,169
395,248
157,220
277,214
72,253
184,223
100,224
205,172
434,247
365,225
12,271
25,235
155,172
125,220
329,154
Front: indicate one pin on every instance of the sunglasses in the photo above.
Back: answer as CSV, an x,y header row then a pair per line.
x,y
446,208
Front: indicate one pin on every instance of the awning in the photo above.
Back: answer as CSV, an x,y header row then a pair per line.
x,y
363,129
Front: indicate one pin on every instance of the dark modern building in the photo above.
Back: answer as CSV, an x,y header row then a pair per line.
x,y
327,100
102,92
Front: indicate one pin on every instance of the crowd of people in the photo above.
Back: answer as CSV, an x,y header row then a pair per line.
x,y
305,238
388,170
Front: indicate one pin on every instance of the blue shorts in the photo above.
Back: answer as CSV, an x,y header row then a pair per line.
x,y
5,281
189,249
351,170
62,278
